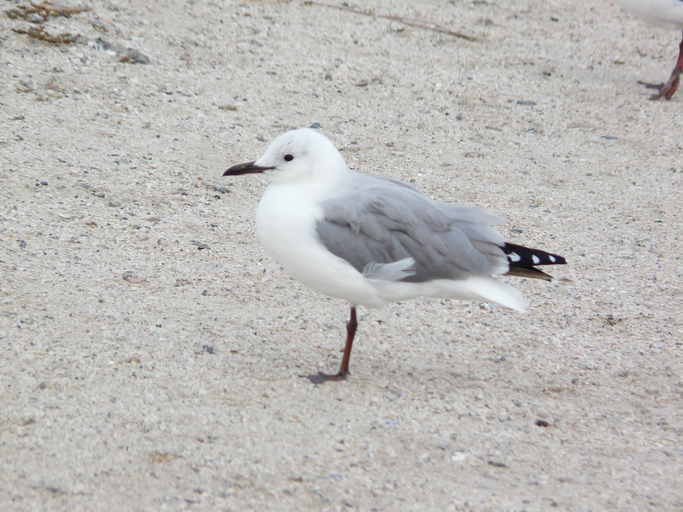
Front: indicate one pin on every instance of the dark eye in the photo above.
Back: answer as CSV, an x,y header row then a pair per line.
x,y
289,158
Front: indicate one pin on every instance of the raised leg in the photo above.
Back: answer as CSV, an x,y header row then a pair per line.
x,y
667,90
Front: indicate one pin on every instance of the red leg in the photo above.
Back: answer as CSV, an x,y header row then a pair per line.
x,y
669,88
351,326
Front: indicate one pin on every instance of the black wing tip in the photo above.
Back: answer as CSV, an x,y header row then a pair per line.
x,y
521,256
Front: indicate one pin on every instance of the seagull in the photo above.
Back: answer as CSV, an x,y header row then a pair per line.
x,y
668,13
373,240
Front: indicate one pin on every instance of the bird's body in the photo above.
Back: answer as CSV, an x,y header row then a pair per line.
x,y
661,12
334,265
372,240
665,13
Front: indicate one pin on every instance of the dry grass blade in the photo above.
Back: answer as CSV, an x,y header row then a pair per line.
x,y
43,10
426,25
44,35
55,10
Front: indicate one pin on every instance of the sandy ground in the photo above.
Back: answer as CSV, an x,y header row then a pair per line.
x,y
155,359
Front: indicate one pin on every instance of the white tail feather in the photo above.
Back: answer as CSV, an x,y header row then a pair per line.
x,y
473,288
488,289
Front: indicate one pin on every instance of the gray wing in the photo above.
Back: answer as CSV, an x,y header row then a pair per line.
x,y
378,222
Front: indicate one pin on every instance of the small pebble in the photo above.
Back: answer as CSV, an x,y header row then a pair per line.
x,y
132,278
200,245
102,45
132,56
221,189
34,18
497,464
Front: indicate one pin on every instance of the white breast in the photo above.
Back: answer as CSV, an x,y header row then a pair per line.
x,y
286,227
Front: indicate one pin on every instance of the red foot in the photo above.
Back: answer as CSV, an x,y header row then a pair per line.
x,y
668,89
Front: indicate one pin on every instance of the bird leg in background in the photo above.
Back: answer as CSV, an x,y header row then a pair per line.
x,y
668,89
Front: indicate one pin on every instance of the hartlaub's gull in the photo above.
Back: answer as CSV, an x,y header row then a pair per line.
x,y
373,240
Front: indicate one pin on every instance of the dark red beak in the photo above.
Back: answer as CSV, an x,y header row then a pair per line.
x,y
246,168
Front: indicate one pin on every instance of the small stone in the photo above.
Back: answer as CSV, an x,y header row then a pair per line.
x,y
132,278
200,245
497,464
99,26
34,18
221,189
102,45
133,56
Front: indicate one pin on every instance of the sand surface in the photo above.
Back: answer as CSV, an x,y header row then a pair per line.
x,y
153,358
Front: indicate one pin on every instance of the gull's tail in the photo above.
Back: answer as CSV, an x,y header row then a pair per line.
x,y
484,288
523,261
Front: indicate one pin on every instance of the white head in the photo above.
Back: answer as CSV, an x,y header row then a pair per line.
x,y
303,155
